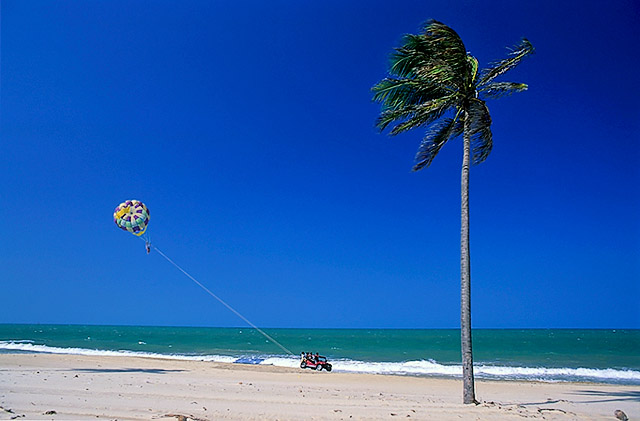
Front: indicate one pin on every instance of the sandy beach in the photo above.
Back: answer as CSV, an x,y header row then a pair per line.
x,y
48,386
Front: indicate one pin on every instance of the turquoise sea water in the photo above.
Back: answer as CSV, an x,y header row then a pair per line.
x,y
609,356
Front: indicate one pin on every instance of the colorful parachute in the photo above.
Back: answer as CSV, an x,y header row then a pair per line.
x,y
132,216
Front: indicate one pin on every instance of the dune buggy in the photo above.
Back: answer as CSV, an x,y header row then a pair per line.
x,y
319,364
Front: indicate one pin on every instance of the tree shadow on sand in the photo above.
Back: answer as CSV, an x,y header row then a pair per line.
x,y
598,396
126,370
602,396
548,401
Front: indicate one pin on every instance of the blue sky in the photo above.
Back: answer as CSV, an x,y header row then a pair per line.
x,y
248,130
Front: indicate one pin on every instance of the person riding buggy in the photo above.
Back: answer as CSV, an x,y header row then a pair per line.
x,y
314,362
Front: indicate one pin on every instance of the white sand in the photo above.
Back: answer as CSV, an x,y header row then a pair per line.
x,y
126,388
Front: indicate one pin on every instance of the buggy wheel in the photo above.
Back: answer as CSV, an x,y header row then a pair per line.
x,y
328,367
303,365
319,367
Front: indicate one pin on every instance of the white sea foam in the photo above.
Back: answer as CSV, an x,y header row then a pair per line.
x,y
291,362
415,368
28,347
433,368
489,371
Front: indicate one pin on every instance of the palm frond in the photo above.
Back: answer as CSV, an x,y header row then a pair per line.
x,y
479,130
435,139
438,54
389,116
447,45
518,53
396,93
412,116
414,53
425,114
499,89
425,66
440,73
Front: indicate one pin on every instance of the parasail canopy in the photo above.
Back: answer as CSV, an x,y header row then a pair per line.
x,y
132,216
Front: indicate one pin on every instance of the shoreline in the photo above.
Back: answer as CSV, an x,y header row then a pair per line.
x,y
421,368
132,388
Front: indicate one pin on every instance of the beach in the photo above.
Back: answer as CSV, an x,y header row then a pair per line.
x,y
49,386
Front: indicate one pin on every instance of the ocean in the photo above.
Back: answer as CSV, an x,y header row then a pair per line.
x,y
549,355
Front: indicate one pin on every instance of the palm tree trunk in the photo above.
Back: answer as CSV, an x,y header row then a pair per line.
x,y
468,392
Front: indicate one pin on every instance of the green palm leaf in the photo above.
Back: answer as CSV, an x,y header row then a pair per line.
x,y
435,139
499,89
518,53
480,130
425,114
448,47
415,52
395,93
438,55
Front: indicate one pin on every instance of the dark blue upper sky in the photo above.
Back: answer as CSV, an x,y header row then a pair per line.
x,y
248,130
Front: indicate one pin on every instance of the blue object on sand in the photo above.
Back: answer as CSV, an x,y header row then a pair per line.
x,y
248,360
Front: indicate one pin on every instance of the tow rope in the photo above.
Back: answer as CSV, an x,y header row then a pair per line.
x,y
220,299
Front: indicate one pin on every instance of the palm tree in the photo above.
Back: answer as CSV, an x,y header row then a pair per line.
x,y
435,84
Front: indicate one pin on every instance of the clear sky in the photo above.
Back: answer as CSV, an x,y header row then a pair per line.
x,y
248,130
